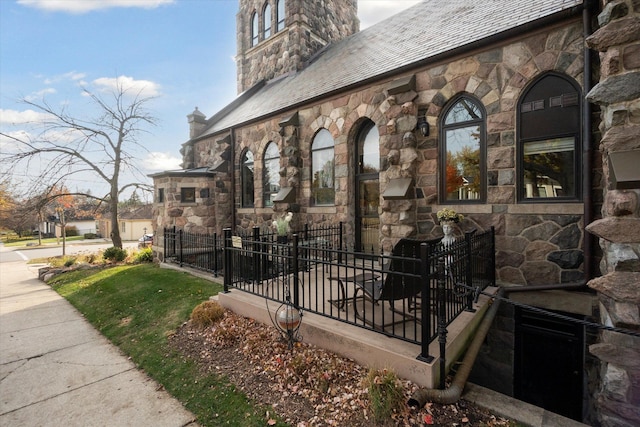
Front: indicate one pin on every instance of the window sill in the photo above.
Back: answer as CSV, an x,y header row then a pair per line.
x,y
322,209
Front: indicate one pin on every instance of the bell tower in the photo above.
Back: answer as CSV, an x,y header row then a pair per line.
x,y
276,37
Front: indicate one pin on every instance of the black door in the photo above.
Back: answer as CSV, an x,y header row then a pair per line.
x,y
549,362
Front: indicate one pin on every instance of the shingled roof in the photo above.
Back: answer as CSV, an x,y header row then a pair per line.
x,y
426,32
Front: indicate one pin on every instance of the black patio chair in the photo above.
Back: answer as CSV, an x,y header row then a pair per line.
x,y
399,280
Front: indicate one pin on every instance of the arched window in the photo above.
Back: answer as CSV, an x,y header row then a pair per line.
x,y
463,152
368,189
266,20
280,15
246,179
254,29
271,173
322,169
549,140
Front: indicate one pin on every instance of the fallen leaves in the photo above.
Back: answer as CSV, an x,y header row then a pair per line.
x,y
306,386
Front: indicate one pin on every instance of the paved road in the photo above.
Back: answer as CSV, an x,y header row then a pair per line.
x,y
57,370
50,250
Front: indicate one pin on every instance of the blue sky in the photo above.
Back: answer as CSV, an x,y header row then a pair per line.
x,y
181,51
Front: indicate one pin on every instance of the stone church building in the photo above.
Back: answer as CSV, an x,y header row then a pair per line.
x,y
521,115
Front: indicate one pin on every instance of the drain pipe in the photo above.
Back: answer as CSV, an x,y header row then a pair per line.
x,y
452,394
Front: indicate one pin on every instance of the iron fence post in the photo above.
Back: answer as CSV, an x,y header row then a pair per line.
x,y
469,273
493,256
226,257
164,242
442,321
340,244
256,255
180,245
216,267
296,279
173,241
425,303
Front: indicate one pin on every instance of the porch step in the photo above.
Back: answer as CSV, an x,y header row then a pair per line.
x,y
367,347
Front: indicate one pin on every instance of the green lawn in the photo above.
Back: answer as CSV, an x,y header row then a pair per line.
x,y
137,307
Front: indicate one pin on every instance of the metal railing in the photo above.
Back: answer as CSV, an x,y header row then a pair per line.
x,y
426,285
204,251
412,294
195,250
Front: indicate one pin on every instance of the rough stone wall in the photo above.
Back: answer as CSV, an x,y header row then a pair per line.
x,y
618,94
537,243
309,26
198,217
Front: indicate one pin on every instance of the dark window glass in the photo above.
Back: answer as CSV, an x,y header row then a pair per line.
x,y
247,180
549,134
254,29
266,17
322,169
160,195
463,152
280,15
188,195
271,173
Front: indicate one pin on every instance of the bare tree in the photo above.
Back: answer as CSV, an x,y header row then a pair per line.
x,y
103,146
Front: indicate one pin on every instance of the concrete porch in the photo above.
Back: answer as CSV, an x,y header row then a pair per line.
x,y
367,347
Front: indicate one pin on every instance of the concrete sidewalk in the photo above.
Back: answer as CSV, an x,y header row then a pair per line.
x,y
57,370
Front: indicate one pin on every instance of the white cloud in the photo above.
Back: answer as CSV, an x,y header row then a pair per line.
x,y
71,75
13,117
373,11
84,6
40,94
157,161
144,88
7,142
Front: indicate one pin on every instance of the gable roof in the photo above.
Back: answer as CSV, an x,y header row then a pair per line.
x,y
143,212
424,33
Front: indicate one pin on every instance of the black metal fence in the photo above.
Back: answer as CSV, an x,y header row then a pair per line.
x,y
204,251
411,294
195,250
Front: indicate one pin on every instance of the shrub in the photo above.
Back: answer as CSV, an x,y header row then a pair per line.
x,y
71,231
69,262
114,254
385,394
144,255
206,314
90,236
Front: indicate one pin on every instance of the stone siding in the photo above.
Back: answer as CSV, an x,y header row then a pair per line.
x,y
310,25
198,217
537,244
618,94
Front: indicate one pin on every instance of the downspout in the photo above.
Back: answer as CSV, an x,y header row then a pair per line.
x,y
587,145
232,166
453,393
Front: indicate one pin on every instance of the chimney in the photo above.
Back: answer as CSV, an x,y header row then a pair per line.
x,y
197,123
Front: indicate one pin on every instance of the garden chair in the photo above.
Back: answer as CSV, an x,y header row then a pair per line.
x,y
399,280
